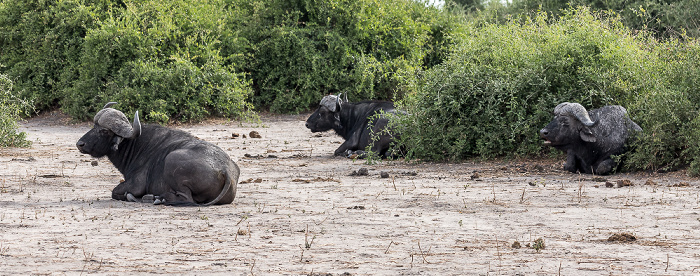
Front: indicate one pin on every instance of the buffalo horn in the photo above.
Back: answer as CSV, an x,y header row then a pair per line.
x,y
136,126
575,109
115,121
109,104
330,102
339,102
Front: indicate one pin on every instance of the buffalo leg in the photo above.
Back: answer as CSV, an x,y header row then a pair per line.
x,y
127,188
571,165
605,167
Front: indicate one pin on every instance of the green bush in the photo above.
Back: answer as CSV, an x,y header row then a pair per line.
x,y
663,18
164,59
669,110
40,45
369,49
502,82
10,110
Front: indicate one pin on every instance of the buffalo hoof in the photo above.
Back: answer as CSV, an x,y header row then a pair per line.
x,y
158,200
130,197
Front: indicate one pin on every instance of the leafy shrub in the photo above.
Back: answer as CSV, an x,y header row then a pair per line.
x,y
40,45
10,109
369,49
164,59
502,82
670,110
663,18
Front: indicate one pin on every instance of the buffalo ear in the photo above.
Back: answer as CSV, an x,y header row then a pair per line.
x,y
337,122
587,135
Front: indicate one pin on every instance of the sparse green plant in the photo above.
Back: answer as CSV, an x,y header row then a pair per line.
x,y
11,107
538,244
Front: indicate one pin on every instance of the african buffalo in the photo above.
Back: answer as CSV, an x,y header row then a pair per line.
x,y
589,138
356,123
172,165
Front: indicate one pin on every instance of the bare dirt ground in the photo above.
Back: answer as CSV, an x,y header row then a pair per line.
x,y
300,211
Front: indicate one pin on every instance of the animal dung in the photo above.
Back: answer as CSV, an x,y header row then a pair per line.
x,y
622,237
681,184
254,134
250,180
516,245
384,174
360,172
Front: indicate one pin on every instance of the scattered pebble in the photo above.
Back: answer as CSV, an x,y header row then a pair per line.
x,y
94,163
235,135
357,207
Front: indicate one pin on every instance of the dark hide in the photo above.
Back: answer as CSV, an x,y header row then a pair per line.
x,y
589,148
170,164
355,122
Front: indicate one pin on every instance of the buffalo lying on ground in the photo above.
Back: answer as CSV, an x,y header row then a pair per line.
x,y
589,138
357,123
172,165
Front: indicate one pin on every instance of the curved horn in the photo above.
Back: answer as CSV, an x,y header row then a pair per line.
x,y
109,104
339,102
115,121
330,102
136,126
575,109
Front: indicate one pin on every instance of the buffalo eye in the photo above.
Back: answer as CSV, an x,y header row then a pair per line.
x,y
104,131
564,122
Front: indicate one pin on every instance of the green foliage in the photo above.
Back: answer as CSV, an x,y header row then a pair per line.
x,y
164,59
670,110
40,45
370,49
10,110
501,83
663,18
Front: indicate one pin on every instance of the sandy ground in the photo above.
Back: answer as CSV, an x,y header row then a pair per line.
x,y
300,211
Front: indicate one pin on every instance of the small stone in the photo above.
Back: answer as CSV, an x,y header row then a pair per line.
x,y
94,163
235,135
254,134
609,184
384,174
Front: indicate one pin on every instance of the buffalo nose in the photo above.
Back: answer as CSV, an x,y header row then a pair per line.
x,y
544,132
307,124
80,144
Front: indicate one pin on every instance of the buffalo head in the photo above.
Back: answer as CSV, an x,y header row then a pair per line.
x,y
327,116
111,128
571,123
